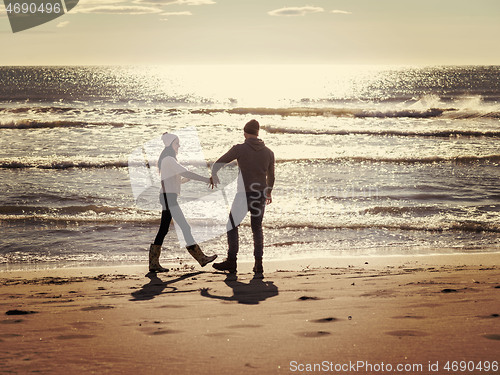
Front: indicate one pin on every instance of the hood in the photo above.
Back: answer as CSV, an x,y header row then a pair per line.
x,y
255,143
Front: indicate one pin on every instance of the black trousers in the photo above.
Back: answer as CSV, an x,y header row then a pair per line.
x,y
171,210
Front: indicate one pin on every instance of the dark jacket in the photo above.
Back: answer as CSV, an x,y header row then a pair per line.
x,y
255,161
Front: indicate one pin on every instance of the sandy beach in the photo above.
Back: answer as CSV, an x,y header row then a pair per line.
x,y
337,315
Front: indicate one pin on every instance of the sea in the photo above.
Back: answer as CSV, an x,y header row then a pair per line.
x,y
370,160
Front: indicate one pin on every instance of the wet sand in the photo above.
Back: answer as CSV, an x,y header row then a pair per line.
x,y
305,316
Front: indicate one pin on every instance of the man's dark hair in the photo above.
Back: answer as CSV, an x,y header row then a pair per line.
x,y
252,127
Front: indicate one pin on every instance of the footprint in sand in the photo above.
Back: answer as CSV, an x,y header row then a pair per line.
x,y
19,312
325,320
492,337
163,332
74,337
492,316
431,305
170,307
10,321
98,307
406,333
152,328
307,298
158,331
312,334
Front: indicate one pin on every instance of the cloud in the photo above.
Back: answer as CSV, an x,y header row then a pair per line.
x,y
63,24
295,11
176,14
175,2
119,9
168,14
336,11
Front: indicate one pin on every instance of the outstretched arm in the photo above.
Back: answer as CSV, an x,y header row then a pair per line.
x,y
194,176
223,160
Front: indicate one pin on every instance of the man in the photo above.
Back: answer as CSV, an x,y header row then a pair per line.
x,y
256,165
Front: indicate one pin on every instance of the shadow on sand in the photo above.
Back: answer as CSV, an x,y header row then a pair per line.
x,y
256,291
157,286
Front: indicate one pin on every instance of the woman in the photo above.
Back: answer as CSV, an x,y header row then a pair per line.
x,y
171,173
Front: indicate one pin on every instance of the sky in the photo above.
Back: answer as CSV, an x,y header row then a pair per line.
x,y
394,32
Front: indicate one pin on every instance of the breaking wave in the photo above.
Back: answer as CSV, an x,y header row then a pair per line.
x,y
75,214
86,164
472,227
397,133
36,124
494,159
67,164
447,113
107,215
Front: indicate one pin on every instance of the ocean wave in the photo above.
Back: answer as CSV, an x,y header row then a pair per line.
x,y
64,210
64,164
402,211
398,133
104,164
337,112
493,159
449,113
77,220
36,124
36,109
114,216
76,214
470,227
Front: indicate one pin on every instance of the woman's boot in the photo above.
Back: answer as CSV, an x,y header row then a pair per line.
x,y
154,259
197,254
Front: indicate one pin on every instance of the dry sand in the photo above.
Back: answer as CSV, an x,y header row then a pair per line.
x,y
329,312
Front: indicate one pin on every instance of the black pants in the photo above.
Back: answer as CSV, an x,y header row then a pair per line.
x,y
171,210
255,203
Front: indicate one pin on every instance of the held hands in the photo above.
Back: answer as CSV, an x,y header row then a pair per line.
x,y
212,184
214,181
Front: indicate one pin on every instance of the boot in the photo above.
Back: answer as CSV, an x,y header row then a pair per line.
x,y
197,254
228,265
154,259
257,268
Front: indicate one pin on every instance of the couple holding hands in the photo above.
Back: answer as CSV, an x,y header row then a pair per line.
x,y
256,166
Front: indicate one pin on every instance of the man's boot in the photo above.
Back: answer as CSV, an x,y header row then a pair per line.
x,y
154,259
197,254
258,269
228,265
